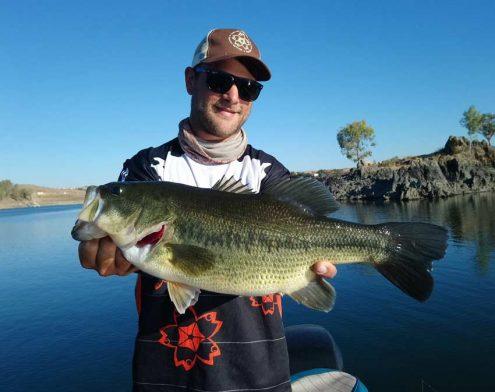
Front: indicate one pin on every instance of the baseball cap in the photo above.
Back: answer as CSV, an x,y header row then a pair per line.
x,y
222,44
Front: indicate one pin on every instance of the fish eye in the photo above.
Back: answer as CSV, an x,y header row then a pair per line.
x,y
115,190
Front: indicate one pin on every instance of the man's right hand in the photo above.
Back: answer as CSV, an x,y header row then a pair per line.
x,y
103,256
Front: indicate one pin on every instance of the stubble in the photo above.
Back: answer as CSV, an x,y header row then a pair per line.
x,y
210,123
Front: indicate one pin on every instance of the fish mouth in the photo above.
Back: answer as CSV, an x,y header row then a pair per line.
x,y
91,193
93,205
85,229
91,225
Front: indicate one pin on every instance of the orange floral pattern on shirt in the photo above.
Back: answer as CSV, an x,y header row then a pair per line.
x,y
268,303
191,338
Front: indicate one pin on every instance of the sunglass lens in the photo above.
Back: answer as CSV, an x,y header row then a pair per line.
x,y
248,90
219,83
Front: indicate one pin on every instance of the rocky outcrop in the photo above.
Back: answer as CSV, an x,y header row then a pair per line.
x,y
460,167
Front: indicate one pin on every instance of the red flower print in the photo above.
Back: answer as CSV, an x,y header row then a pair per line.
x,y
158,285
268,303
190,337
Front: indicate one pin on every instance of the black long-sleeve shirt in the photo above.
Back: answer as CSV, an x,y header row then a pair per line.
x,y
223,342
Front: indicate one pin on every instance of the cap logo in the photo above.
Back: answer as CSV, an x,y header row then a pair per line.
x,y
240,40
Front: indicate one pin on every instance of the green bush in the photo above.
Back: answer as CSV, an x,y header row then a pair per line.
x,y
389,162
7,189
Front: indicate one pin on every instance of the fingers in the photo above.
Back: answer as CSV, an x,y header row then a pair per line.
x,y
325,269
106,258
87,253
122,266
103,256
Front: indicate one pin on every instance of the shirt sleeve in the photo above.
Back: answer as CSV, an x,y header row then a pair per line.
x,y
139,168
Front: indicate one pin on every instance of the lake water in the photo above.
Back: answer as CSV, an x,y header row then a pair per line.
x,y
63,328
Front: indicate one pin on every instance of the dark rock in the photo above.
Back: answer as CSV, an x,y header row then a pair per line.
x,y
455,145
460,167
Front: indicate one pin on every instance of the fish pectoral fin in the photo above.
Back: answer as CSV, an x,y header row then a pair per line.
x,y
182,295
318,295
191,260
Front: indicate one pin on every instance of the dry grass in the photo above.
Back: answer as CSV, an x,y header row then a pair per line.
x,y
42,196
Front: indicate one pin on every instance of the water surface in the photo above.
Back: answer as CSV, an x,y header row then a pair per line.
x,y
64,328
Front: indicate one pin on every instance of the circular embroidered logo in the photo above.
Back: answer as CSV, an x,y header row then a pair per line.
x,y
240,40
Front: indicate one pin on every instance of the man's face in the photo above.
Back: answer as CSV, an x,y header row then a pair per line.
x,y
214,114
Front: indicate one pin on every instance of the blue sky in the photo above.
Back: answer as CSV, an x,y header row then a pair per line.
x,y
86,84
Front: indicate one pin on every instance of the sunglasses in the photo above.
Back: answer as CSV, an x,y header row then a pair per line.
x,y
221,82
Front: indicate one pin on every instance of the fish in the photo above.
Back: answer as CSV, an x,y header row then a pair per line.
x,y
230,240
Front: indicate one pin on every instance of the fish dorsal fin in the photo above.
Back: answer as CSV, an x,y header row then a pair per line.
x,y
231,185
182,295
309,194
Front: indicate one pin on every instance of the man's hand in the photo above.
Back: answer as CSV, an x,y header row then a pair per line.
x,y
103,256
325,269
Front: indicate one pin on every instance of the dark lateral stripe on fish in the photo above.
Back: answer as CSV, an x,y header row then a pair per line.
x,y
231,239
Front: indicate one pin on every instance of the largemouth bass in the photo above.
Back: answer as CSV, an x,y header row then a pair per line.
x,y
228,240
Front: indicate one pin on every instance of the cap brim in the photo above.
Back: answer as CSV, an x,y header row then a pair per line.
x,y
257,67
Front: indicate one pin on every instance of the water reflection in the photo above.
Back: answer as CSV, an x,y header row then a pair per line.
x,y
469,218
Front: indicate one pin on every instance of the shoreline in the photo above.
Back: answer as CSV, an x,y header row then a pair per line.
x,y
460,167
40,196
37,205
346,200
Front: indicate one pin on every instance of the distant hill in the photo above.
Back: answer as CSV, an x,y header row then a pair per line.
x,y
26,195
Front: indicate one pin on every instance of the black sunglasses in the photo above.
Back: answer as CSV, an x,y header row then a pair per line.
x,y
221,82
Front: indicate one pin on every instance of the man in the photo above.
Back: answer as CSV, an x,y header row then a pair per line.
x,y
223,342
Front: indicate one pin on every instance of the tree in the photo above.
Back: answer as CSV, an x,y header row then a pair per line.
x,y
5,188
476,122
355,140
471,120
488,126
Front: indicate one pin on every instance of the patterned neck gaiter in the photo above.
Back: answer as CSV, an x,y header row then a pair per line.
x,y
207,152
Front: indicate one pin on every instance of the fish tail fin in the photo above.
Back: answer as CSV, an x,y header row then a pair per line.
x,y
413,248
318,295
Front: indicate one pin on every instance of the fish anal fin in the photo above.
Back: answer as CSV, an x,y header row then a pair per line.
x,y
182,295
318,294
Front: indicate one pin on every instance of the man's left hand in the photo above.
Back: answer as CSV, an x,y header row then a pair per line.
x,y
325,269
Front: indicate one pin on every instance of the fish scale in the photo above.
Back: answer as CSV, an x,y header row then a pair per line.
x,y
247,244
268,253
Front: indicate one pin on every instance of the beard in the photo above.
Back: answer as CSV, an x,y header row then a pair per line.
x,y
210,122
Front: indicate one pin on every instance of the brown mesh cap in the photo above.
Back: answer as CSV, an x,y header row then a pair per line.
x,y
222,44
